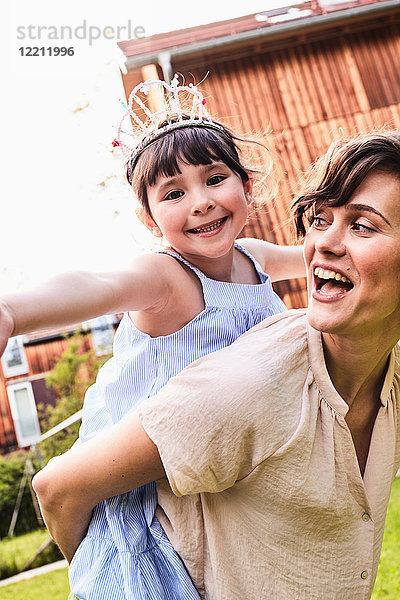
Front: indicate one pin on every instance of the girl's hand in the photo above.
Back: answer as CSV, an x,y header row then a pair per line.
x,y
6,326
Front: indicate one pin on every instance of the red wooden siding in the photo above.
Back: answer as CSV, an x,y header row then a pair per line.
x,y
7,431
42,356
307,94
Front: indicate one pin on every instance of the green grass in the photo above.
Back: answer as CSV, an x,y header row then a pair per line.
x,y
387,584
15,552
50,586
54,585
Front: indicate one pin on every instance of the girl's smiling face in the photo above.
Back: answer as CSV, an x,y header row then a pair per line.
x,y
352,254
199,211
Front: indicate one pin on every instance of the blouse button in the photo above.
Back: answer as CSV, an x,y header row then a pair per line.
x,y
364,574
366,517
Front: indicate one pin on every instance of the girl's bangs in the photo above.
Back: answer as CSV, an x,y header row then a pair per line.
x,y
193,146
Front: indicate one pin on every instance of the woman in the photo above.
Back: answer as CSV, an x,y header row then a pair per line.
x,y
279,451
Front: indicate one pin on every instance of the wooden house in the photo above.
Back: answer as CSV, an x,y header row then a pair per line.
x,y
306,72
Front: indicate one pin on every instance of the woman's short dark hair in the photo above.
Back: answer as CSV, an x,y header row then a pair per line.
x,y
333,179
192,145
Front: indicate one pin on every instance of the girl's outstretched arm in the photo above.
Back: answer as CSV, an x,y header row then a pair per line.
x,y
6,326
280,262
114,462
77,296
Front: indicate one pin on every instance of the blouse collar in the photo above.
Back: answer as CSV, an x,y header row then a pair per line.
x,y
324,382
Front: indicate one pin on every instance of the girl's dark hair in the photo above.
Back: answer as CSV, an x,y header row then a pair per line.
x,y
333,179
192,145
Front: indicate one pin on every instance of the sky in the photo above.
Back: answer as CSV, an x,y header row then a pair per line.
x,y
64,203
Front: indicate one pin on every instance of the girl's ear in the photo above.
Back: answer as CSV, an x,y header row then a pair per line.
x,y
148,222
248,187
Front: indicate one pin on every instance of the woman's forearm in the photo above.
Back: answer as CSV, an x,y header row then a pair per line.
x,y
66,517
117,460
67,523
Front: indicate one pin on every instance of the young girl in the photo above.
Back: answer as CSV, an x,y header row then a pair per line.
x,y
180,304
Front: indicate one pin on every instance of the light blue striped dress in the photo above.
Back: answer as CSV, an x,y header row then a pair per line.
x,y
126,553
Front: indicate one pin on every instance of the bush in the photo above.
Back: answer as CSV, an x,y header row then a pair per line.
x,y
11,471
70,377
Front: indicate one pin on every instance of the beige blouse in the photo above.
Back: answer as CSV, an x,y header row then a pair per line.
x,y
264,498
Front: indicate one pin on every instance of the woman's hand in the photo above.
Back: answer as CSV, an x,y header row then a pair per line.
x,y
117,460
7,325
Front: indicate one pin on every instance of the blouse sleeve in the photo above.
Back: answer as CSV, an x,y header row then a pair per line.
x,y
227,412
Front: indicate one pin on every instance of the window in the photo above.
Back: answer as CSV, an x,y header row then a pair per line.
x,y
24,413
14,358
102,334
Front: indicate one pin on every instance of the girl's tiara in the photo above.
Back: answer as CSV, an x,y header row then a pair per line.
x,y
176,105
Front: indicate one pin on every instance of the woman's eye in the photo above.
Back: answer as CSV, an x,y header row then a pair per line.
x,y
362,228
215,179
319,222
174,195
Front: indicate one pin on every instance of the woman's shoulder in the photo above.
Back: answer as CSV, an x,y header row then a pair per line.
x,y
282,326
274,349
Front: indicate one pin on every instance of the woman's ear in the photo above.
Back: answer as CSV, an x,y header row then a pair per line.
x,y
248,187
148,221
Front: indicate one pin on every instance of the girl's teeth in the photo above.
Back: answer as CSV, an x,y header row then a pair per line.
x,y
209,228
323,274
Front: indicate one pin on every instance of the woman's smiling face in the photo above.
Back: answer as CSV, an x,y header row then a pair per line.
x,y
352,254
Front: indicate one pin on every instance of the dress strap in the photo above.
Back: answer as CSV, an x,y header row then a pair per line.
x,y
260,271
224,294
202,276
204,280
180,258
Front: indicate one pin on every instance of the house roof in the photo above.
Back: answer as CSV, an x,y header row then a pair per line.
x,y
50,334
314,13
38,337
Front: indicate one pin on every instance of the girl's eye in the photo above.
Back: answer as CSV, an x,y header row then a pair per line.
x,y
361,228
215,179
173,195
